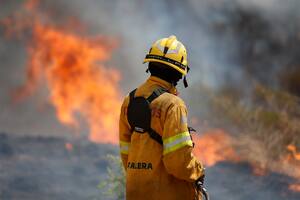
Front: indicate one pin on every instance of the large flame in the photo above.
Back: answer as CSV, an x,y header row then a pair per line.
x,y
214,146
74,71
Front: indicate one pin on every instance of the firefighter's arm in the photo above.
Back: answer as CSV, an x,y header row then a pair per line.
x,y
124,133
177,146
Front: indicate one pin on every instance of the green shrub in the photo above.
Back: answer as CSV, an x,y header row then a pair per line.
x,y
113,187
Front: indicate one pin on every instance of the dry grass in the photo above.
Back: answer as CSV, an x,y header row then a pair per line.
x,y
264,124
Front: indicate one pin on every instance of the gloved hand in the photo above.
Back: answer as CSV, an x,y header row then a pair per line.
x,y
199,182
191,129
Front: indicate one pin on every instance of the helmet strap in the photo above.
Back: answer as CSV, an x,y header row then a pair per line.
x,y
185,82
147,71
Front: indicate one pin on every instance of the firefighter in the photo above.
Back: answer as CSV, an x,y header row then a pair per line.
x,y
155,143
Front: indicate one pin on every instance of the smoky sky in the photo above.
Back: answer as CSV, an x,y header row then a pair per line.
x,y
229,43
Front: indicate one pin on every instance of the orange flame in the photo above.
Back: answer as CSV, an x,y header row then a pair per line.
x,y
214,146
295,187
74,71
293,150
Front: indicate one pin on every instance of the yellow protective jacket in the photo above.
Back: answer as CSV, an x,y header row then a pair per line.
x,y
155,171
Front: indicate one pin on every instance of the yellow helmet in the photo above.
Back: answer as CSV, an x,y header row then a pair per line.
x,y
169,51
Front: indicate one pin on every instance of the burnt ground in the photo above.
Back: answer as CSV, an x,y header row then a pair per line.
x,y
41,168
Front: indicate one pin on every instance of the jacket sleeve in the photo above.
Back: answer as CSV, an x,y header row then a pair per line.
x,y
178,145
124,133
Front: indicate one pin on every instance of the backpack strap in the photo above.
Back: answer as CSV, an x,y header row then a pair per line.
x,y
156,93
155,136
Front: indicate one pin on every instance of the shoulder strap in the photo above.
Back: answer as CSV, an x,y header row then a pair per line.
x,y
156,93
152,133
155,136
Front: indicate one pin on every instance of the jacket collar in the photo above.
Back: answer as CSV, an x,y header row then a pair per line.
x,y
158,81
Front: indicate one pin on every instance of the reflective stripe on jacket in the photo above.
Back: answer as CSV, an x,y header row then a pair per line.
x,y
155,171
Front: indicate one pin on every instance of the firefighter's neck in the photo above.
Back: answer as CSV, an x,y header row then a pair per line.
x,y
171,87
167,78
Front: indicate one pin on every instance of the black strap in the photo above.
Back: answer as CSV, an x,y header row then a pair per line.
x,y
155,136
156,93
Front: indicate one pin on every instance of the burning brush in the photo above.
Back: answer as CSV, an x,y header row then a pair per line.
x,y
73,68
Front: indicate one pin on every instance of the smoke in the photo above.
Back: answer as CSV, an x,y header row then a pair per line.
x,y
229,43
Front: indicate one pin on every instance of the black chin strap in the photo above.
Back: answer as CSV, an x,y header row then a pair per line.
x,y
185,82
